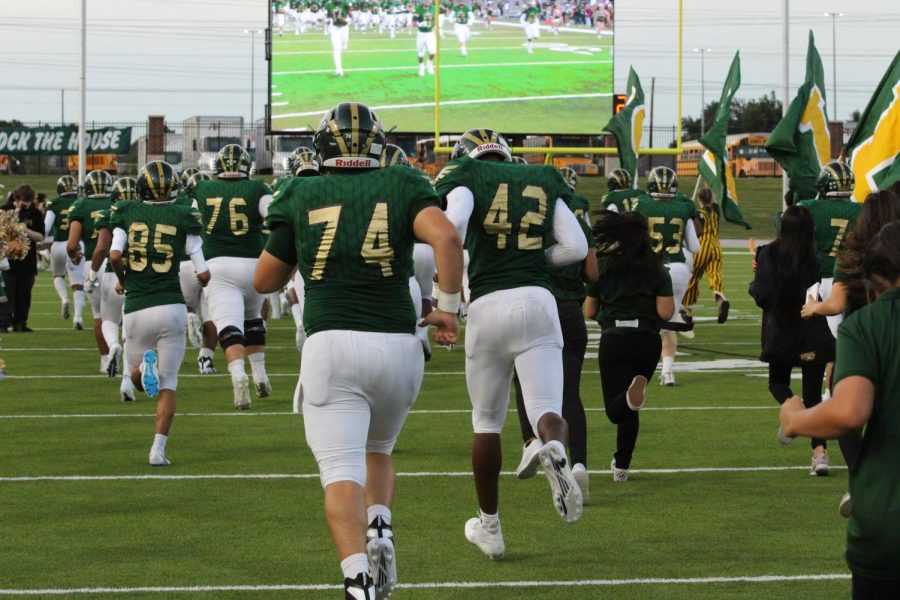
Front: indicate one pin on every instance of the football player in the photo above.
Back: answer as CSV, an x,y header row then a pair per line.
x,y
201,332
150,233
339,15
463,17
233,208
515,220
531,20
622,195
56,226
423,18
671,221
98,187
834,215
567,286
350,233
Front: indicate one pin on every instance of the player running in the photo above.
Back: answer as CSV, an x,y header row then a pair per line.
x,y
339,16
622,195
463,18
56,233
233,208
531,20
426,41
350,233
150,233
514,220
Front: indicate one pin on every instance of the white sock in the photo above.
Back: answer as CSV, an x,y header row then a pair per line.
x,y
490,522
379,510
59,284
258,366
104,360
236,368
79,304
110,333
297,311
668,364
159,443
355,564
208,353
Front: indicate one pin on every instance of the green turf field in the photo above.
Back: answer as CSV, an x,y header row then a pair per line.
x,y
513,91
713,498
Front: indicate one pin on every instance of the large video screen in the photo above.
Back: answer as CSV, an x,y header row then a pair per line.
x,y
518,66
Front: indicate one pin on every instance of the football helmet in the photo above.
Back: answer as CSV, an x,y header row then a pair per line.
x,y
303,162
125,188
233,162
350,136
476,143
394,155
98,184
158,181
835,180
66,185
570,176
518,160
662,182
192,181
187,174
618,179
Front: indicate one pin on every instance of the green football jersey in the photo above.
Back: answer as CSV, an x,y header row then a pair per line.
x,y
667,220
511,223
461,11
156,235
232,225
86,211
834,219
566,282
351,236
532,14
623,200
340,15
60,206
102,222
424,18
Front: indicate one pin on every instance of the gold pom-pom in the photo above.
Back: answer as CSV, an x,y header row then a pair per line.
x,y
14,241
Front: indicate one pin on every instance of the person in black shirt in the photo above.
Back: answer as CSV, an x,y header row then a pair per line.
x,y
19,279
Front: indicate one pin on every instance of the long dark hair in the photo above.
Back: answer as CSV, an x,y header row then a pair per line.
x,y
794,259
879,209
882,254
623,244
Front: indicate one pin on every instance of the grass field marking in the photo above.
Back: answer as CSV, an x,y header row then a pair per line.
x,y
476,36
428,411
395,50
457,103
315,587
542,63
412,474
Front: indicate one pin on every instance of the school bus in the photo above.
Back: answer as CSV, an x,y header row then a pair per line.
x,y
425,158
747,156
104,162
582,164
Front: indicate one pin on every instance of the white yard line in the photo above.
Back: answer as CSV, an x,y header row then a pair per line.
x,y
545,63
415,474
643,581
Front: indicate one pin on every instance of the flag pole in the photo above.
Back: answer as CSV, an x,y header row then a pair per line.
x,y
785,82
697,185
82,167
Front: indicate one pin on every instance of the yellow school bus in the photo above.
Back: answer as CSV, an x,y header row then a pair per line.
x,y
103,162
746,154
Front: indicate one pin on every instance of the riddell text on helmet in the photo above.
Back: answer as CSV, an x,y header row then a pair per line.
x,y
349,163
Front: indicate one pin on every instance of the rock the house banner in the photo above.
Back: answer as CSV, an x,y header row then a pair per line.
x,y
22,141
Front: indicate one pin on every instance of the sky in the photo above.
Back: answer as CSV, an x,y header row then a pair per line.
x,y
181,58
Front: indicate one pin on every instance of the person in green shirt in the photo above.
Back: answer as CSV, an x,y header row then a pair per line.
x,y
233,207
339,15
567,286
152,233
423,19
56,233
622,195
462,18
867,393
631,300
97,189
351,233
514,220
531,20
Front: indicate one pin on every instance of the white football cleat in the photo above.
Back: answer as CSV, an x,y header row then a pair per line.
x,y
65,310
489,542
112,365
149,376
618,475
667,379
205,366
566,494
382,558
263,387
194,331
579,472
158,459
126,390
528,465
104,362
819,466
241,387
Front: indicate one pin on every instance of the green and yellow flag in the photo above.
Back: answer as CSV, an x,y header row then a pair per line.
x,y
801,142
874,147
714,167
628,126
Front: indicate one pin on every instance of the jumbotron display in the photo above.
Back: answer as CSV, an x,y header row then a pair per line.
x,y
519,66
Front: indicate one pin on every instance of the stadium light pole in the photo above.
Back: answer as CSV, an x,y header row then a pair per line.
x,y
82,117
785,81
252,33
702,52
834,16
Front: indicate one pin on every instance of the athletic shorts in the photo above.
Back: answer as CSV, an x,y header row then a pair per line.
x,y
160,328
230,296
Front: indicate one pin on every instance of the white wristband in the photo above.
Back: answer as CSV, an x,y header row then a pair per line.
x,y
92,275
435,296
449,302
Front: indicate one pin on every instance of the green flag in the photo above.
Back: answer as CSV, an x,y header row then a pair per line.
x,y
874,147
628,126
714,167
801,142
